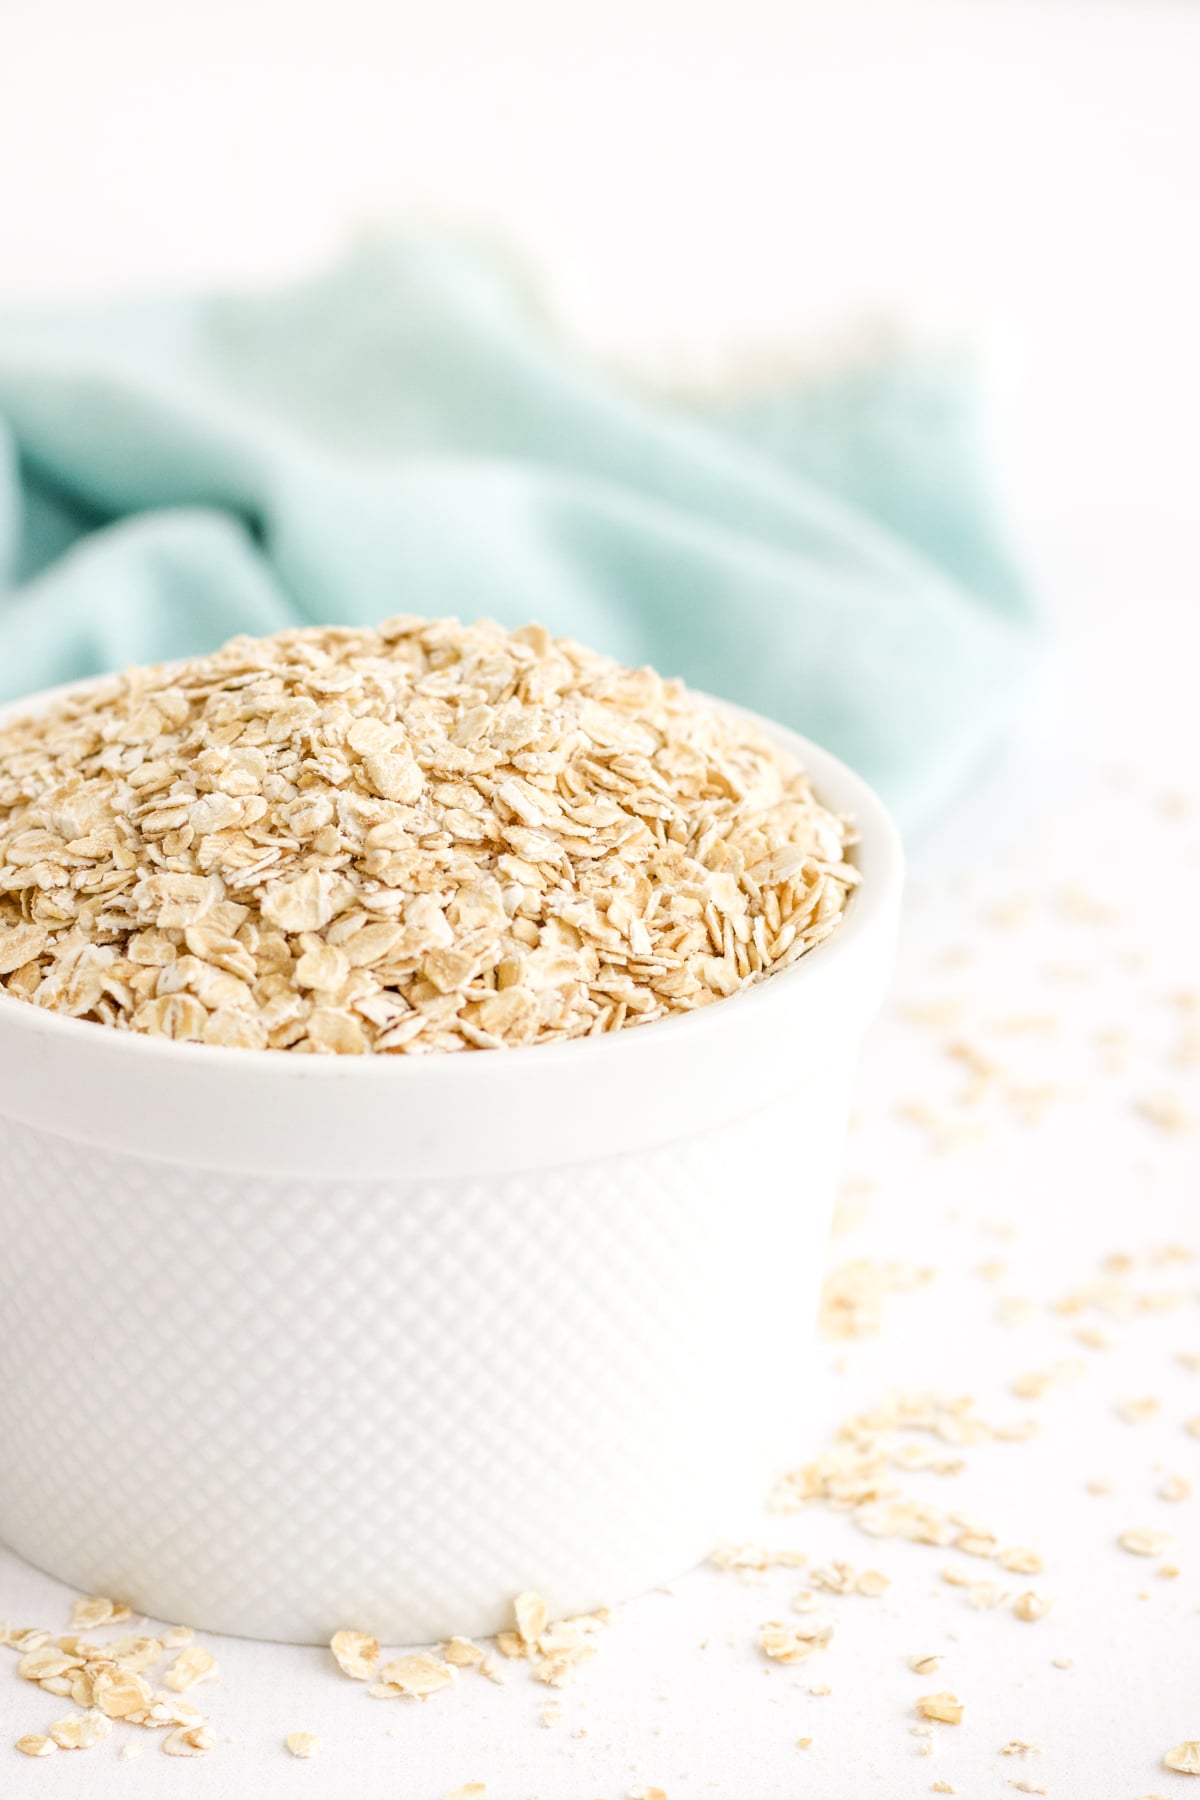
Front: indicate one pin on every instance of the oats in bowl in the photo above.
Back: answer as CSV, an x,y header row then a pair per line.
x,y
503,1325
422,837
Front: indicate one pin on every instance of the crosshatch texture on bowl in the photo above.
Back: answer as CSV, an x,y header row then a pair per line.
x,y
429,1397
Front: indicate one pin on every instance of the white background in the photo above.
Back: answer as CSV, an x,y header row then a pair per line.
x,y
690,178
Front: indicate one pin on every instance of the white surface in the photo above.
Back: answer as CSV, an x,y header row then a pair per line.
x,y
763,166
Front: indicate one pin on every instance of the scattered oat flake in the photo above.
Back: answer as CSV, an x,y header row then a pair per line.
x,y
853,1295
356,1653
1166,1111
189,1669
557,1668
136,1653
755,1557
1144,1541
1035,1382
1138,1411
1028,1787
804,1743
190,1740
471,1791
1093,1337
302,1743
1184,1759
647,1793
1031,1607
32,1745
943,1787
46,1662
416,1676
872,1583
81,1731
792,1643
947,1709
844,1578
1174,1488
529,1611
1020,1561
924,1665
93,1609
120,1692
461,1652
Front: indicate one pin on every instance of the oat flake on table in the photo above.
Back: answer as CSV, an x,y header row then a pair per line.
x,y
424,837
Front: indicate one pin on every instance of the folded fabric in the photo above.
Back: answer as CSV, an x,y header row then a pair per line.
x,y
406,434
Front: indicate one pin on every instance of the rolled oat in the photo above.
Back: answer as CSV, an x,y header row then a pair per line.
x,y
424,837
947,1709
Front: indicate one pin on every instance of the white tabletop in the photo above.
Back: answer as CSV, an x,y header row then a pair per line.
x,y
1034,163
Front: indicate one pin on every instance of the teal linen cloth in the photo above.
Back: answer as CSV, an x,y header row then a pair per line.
x,y
406,434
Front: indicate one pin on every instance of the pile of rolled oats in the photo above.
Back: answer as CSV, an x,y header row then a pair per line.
x,y
109,1681
424,837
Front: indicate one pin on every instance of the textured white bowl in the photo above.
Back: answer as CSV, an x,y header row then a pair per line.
x,y
292,1343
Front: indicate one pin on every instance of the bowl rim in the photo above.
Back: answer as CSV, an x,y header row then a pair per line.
x,y
871,911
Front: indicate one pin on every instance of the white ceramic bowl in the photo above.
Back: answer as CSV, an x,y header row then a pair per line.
x,y
293,1343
